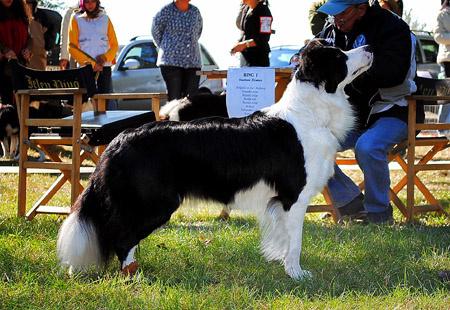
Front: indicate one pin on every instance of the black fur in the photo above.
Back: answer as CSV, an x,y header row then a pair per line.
x,y
202,105
322,64
145,173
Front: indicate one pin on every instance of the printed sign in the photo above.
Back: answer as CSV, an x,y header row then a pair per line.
x,y
249,89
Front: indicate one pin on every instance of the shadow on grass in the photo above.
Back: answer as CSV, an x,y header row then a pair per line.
x,y
361,259
197,256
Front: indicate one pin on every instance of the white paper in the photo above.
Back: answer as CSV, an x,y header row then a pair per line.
x,y
249,89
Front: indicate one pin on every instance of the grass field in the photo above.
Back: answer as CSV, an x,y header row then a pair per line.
x,y
199,262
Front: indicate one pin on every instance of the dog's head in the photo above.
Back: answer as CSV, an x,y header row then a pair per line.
x,y
330,67
9,121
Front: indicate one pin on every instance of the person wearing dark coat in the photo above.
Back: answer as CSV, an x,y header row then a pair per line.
x,y
256,26
378,97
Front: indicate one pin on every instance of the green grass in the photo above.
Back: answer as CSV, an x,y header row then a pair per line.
x,y
199,262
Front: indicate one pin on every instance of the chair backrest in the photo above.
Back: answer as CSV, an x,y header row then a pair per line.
x,y
26,78
432,87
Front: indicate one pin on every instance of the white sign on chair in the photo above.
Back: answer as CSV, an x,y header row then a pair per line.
x,y
249,89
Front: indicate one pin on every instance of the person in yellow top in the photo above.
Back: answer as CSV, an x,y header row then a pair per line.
x,y
92,40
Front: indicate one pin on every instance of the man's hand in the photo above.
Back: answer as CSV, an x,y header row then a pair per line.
x,y
100,59
63,63
10,55
98,68
239,47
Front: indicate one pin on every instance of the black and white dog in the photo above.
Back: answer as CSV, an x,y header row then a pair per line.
x,y
272,162
195,107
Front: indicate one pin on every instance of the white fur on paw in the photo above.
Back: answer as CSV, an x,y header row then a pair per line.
x,y
297,273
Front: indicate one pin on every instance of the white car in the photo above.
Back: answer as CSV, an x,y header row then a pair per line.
x,y
136,72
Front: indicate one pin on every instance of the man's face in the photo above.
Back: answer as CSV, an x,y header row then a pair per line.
x,y
345,21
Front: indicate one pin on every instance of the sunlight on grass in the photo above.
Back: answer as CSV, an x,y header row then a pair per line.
x,y
197,261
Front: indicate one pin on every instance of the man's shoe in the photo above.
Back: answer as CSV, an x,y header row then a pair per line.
x,y
384,217
354,210
354,207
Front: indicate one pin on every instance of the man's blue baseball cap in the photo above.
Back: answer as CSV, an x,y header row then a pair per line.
x,y
334,7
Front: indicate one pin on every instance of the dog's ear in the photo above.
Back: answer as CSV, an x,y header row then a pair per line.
x,y
331,83
310,62
322,65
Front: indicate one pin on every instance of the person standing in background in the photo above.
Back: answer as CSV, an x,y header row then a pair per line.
x,y
442,36
395,6
92,40
256,25
38,28
15,42
65,61
317,19
176,29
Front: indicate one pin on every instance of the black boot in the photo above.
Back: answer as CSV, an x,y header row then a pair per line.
x,y
353,210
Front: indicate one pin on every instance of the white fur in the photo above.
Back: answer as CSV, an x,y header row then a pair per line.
x,y
77,244
130,258
170,110
321,121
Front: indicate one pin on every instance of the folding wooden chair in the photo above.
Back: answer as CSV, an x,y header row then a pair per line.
x,y
430,92
100,126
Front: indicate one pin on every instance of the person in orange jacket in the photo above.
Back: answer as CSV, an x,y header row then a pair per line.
x,y
92,40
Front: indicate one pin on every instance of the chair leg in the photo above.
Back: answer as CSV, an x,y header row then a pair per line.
x,y
23,103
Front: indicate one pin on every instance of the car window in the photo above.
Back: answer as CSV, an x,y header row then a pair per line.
x,y
145,53
206,59
281,57
430,50
418,54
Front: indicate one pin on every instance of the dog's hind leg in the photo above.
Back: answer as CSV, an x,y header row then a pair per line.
x,y
274,238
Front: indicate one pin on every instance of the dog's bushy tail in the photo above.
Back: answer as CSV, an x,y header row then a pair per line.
x,y
78,246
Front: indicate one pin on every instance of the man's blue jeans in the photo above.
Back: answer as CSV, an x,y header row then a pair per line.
x,y
371,147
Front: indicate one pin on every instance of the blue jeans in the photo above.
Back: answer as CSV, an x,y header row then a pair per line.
x,y
371,147
180,82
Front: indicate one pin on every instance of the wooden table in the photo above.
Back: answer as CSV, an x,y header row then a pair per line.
x,y
282,77
155,100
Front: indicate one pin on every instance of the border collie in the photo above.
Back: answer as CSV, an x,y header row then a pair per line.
x,y
273,162
194,107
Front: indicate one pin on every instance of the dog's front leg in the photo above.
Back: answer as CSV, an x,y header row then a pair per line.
x,y
6,148
129,265
295,218
3,146
14,148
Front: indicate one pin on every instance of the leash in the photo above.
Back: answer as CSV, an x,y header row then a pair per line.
x,y
88,56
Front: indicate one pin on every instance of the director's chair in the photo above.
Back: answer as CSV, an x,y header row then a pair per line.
x,y
99,128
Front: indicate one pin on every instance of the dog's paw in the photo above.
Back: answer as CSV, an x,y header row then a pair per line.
x,y
130,270
297,273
